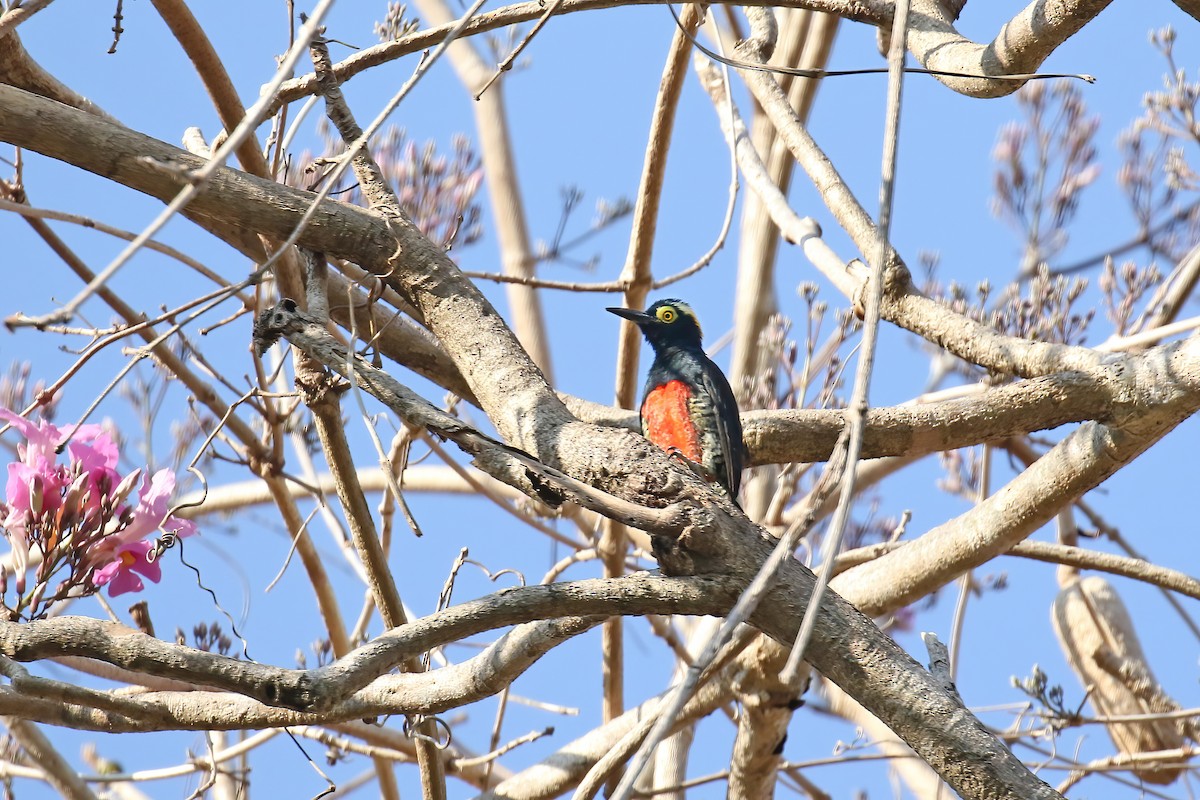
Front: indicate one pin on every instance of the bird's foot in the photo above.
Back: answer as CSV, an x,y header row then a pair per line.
x,y
695,466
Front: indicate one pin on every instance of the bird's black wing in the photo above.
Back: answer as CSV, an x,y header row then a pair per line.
x,y
729,424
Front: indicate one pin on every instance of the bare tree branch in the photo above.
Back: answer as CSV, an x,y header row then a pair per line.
x,y
42,752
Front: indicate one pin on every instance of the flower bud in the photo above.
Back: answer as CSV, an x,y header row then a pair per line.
x,y
74,500
125,487
36,495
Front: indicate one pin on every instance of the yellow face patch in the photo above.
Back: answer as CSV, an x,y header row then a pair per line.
x,y
673,312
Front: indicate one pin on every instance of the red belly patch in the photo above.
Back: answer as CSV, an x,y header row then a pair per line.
x,y
666,421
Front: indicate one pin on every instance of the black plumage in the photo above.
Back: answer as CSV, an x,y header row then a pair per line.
x,y
688,404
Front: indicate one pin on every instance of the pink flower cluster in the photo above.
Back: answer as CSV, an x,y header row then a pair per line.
x,y
80,515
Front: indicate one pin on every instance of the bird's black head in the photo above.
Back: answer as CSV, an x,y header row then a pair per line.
x,y
666,323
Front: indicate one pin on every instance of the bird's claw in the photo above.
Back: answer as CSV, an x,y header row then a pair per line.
x,y
695,466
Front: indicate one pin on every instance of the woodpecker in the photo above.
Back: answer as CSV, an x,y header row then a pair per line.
x,y
687,405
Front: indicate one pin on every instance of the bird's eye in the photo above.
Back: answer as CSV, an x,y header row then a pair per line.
x,y
667,314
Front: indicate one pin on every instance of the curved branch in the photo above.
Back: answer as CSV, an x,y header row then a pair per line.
x,y
863,11
807,435
405,693
1074,466
1052,553
59,774
1022,44
325,687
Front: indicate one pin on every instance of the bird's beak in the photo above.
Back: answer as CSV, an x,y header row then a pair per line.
x,y
636,317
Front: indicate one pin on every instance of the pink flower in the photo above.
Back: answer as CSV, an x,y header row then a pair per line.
x,y
146,519
36,482
83,511
94,453
121,575
32,491
41,441
153,503
92,448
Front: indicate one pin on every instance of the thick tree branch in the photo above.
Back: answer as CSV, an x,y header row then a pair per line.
x,y
1052,553
1021,45
1074,466
406,693
910,430
324,687
1190,7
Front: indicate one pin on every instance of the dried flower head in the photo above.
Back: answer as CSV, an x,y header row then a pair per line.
x,y
436,191
1044,162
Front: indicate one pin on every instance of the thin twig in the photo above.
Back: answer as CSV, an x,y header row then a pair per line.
x,y
857,407
196,179
45,213
506,64
496,752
